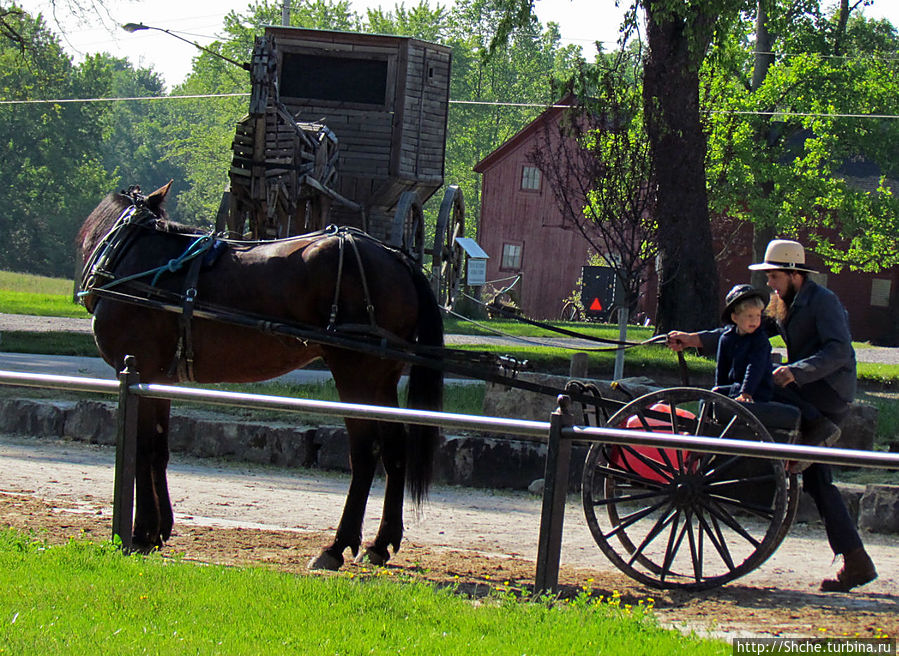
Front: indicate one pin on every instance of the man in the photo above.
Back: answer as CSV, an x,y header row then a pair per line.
x,y
820,378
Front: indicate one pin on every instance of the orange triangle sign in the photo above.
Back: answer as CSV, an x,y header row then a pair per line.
x,y
596,306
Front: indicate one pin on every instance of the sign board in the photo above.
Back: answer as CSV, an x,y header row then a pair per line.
x,y
477,261
477,272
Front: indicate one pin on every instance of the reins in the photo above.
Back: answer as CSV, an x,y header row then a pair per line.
x,y
494,306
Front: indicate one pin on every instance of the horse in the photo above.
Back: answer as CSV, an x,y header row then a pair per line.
x,y
337,281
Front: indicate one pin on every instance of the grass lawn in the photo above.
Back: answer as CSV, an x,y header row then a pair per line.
x,y
87,598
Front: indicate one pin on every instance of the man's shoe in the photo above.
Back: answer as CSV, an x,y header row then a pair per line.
x,y
858,569
820,432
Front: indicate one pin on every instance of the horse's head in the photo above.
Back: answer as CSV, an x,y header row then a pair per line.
x,y
104,216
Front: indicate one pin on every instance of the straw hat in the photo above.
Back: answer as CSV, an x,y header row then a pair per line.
x,y
783,254
738,294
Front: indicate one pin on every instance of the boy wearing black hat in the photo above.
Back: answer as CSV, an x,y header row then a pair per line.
x,y
743,369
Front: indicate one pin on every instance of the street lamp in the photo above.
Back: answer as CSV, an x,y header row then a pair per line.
x,y
136,27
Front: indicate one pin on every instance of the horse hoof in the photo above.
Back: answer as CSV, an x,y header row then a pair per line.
x,y
372,557
326,560
143,543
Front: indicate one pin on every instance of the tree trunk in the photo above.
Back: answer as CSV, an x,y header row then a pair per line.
x,y
764,58
688,277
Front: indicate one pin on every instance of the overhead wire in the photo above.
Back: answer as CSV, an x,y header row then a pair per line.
x,y
488,103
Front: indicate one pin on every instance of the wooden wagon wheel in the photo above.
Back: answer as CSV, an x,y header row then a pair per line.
x,y
675,519
447,256
408,230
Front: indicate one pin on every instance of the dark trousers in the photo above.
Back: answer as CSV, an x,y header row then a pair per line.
x,y
816,399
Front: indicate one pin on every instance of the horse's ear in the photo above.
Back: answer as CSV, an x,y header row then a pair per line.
x,y
155,200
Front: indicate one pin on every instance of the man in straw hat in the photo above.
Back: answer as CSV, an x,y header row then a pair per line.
x,y
819,378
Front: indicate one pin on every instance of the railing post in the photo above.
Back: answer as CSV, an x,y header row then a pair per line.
x,y
125,454
555,491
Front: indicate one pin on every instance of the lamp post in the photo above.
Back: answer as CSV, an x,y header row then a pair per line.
x,y
136,27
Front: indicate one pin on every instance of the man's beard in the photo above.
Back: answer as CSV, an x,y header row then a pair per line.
x,y
778,306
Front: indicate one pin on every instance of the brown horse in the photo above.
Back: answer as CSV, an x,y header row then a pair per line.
x,y
292,281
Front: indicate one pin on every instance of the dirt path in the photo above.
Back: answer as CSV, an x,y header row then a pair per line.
x,y
230,513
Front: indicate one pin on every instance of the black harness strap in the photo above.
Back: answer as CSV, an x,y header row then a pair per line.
x,y
183,361
344,235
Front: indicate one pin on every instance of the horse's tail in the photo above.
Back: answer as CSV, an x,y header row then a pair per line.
x,y
425,393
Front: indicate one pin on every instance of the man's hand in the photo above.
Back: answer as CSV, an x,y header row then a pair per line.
x,y
678,341
783,376
744,398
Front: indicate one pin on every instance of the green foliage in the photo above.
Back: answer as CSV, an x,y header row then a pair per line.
x,y
51,168
781,156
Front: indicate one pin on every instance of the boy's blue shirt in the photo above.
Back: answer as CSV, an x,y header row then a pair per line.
x,y
744,364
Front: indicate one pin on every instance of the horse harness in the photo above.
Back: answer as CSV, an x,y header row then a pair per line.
x,y
99,277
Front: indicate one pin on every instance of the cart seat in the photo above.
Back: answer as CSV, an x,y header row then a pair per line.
x,y
775,416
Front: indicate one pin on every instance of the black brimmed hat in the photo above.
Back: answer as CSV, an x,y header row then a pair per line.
x,y
738,294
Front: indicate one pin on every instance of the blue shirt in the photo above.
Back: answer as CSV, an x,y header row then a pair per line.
x,y
744,364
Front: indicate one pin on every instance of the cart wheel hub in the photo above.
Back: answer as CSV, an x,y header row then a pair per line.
x,y
688,488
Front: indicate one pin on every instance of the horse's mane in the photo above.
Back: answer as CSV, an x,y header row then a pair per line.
x,y
101,220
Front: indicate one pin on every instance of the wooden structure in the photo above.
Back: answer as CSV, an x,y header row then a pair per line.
x,y
343,128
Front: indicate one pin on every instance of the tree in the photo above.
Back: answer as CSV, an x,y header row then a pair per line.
x,y
781,154
679,35
50,165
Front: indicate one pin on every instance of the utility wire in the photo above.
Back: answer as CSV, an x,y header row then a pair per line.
x,y
451,102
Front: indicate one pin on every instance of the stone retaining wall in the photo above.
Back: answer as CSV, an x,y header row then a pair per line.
x,y
472,460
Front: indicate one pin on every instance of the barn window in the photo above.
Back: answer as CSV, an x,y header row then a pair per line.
x,y
511,257
880,292
530,178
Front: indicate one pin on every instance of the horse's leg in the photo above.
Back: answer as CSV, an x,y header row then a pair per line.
x,y
153,518
362,434
390,532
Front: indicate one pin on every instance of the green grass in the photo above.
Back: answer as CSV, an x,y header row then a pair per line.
x,y
492,327
464,399
27,283
49,343
44,305
87,598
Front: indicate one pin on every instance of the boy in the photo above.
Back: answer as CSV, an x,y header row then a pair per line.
x,y
743,369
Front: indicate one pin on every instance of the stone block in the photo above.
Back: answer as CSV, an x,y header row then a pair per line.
x,y
33,417
332,446
858,428
497,463
851,493
95,422
879,509
503,401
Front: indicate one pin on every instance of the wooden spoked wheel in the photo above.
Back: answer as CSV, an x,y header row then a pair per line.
x,y
448,258
408,230
677,519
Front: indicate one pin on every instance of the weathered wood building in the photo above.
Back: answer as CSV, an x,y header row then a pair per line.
x,y
385,99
